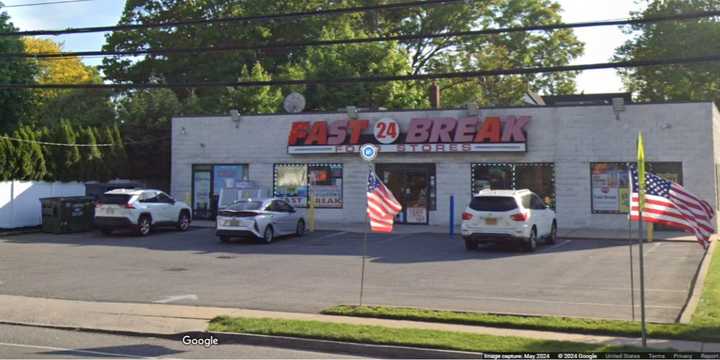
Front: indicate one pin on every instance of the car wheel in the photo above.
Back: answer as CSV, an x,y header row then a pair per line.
x,y
143,226
531,243
106,231
471,244
552,237
224,239
268,235
300,228
183,221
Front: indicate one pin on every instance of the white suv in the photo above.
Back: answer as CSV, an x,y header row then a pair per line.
x,y
502,216
140,210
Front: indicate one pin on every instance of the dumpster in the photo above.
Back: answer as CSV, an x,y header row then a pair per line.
x,y
67,214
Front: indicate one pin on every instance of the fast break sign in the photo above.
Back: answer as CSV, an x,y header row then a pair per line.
x,y
423,135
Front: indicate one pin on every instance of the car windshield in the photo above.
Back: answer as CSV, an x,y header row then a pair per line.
x,y
230,196
115,199
245,205
493,203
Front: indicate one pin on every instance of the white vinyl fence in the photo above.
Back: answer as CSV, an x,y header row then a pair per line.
x,y
20,200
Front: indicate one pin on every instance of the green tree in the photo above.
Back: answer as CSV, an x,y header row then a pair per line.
x,y
14,103
87,107
145,126
667,39
5,164
248,100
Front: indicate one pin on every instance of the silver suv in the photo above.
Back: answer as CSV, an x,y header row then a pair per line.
x,y
141,210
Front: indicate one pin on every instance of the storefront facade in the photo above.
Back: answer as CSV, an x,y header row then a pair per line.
x,y
574,157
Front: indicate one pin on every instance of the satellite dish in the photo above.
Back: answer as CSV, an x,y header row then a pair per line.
x,y
294,102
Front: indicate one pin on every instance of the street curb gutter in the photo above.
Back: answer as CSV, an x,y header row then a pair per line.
x,y
286,342
698,284
340,347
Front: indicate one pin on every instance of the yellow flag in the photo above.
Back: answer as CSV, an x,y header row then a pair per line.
x,y
641,170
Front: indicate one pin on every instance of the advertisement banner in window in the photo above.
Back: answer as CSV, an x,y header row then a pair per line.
x,y
326,185
291,184
609,187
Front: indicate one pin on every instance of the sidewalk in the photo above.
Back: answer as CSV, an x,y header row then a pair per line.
x,y
163,319
584,234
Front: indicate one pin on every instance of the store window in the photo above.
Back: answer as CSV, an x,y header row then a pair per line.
x,y
610,190
209,180
297,183
538,177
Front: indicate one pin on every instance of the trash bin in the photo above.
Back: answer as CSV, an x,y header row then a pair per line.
x,y
67,214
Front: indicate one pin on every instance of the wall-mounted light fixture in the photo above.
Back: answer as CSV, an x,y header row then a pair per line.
x,y
235,115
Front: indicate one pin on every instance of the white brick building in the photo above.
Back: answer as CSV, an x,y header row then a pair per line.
x,y
574,158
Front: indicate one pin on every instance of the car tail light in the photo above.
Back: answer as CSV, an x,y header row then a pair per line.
x,y
467,216
129,206
519,217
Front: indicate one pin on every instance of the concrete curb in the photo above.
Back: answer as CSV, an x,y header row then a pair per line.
x,y
623,239
698,284
285,342
340,347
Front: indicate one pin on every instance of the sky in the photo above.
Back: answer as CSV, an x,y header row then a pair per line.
x,y
600,42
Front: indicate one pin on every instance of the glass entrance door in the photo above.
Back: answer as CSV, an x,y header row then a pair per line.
x,y
201,193
411,185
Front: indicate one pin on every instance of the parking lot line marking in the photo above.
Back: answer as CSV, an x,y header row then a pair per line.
x,y
170,299
331,235
89,352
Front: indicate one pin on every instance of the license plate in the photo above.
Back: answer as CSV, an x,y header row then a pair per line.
x,y
490,221
232,222
109,211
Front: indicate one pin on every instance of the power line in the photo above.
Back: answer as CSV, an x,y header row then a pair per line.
x,y
253,18
44,3
47,143
368,79
165,51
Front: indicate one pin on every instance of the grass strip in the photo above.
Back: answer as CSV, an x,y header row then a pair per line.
x,y
704,326
402,336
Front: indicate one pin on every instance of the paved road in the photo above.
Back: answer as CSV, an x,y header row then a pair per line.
x,y
38,343
587,278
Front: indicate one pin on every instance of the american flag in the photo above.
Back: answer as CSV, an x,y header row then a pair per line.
x,y
670,204
382,205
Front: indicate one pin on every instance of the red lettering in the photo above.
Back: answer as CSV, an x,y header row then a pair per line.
x,y
419,131
465,130
490,131
515,129
337,132
356,128
441,129
318,134
298,131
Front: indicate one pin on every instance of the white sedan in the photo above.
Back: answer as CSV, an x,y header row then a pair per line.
x,y
263,219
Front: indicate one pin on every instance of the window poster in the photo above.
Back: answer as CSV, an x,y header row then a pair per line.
x,y
609,187
326,185
291,184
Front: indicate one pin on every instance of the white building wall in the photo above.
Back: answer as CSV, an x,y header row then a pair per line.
x,y
570,137
20,200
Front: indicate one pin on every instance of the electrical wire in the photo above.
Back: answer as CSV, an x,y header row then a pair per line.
x,y
254,18
44,3
165,51
389,78
47,143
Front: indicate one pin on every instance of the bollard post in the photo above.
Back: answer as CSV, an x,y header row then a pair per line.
x,y
452,215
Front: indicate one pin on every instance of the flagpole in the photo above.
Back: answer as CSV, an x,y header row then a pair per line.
x,y
367,224
641,205
632,268
642,280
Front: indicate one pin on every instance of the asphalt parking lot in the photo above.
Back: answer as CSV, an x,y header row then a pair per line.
x,y
586,278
